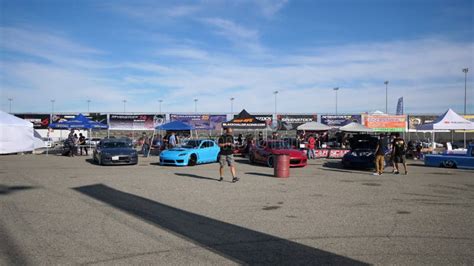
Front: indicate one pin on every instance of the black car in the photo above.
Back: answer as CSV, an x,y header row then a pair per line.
x,y
115,151
362,153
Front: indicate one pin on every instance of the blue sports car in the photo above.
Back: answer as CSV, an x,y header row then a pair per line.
x,y
192,153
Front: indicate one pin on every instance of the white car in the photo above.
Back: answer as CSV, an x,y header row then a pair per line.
x,y
93,141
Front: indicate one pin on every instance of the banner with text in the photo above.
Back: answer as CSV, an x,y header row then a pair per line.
x,y
417,120
386,123
201,122
340,120
135,122
291,122
39,121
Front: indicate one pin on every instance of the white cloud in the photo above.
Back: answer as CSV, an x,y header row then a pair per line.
x,y
426,72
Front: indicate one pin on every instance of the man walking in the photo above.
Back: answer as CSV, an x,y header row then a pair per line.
x,y
398,153
380,156
226,143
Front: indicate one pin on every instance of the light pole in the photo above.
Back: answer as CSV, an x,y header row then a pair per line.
x,y
52,106
124,103
10,100
232,105
275,93
465,70
160,101
336,89
88,105
386,96
195,105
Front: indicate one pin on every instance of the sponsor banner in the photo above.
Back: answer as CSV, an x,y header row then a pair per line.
x,y
340,120
39,121
291,122
268,118
386,123
97,117
337,154
418,120
321,153
135,122
201,122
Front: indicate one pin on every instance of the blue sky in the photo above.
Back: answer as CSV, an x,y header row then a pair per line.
x,y
143,51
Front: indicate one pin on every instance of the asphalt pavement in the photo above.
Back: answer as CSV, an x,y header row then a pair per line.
x,y
61,210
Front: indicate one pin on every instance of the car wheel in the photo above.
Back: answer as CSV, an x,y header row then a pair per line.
x,y
449,164
192,160
270,161
251,158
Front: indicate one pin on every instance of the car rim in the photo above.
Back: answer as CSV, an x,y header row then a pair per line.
x,y
270,161
192,160
449,164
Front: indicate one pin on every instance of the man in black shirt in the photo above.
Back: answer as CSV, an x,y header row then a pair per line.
x,y
398,153
226,143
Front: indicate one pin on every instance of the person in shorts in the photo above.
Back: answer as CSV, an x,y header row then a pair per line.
x,y
398,153
226,155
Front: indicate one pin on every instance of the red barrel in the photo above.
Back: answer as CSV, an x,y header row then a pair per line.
x,y
282,165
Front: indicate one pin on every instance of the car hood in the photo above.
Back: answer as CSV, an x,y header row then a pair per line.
x,y
291,152
118,150
178,150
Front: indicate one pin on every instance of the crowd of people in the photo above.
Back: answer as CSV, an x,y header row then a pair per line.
x,y
75,145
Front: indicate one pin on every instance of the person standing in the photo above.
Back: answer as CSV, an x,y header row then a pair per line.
x,y
82,143
226,143
172,140
311,147
398,153
145,145
380,156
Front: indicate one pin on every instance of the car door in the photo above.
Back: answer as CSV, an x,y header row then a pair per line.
x,y
204,151
213,151
260,152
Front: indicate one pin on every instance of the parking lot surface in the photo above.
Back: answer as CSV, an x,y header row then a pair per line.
x,y
60,210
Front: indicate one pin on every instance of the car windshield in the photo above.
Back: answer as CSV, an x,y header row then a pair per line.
x,y
191,144
116,144
278,145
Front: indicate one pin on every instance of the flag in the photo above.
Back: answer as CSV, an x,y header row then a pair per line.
x,y
400,106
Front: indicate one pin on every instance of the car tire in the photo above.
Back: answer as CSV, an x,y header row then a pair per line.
x,y
251,158
192,160
270,161
449,164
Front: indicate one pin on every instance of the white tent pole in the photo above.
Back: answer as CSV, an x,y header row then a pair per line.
x,y
90,139
465,139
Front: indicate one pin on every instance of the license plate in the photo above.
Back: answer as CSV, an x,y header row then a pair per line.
x,y
115,158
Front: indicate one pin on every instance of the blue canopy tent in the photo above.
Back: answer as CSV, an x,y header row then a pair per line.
x,y
173,126
79,122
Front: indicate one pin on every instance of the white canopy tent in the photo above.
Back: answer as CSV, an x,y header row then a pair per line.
x,y
450,120
16,134
313,126
355,127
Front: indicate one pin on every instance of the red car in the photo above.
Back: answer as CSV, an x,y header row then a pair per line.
x,y
263,153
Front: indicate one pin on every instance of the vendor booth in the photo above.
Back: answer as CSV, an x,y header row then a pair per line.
x,y
450,120
244,120
16,134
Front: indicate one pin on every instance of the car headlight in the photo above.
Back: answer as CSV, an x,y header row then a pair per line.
x,y
367,153
106,154
354,154
182,154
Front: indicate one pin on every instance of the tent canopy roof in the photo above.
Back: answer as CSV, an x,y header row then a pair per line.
x,y
175,125
450,120
246,121
355,127
316,126
11,120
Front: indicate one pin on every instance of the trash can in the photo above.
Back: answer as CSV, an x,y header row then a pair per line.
x,y
282,165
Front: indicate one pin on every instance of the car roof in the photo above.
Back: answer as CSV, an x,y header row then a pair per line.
x,y
116,140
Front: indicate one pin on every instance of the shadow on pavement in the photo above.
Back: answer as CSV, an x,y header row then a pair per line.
x,y
261,174
4,190
239,244
337,167
196,176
